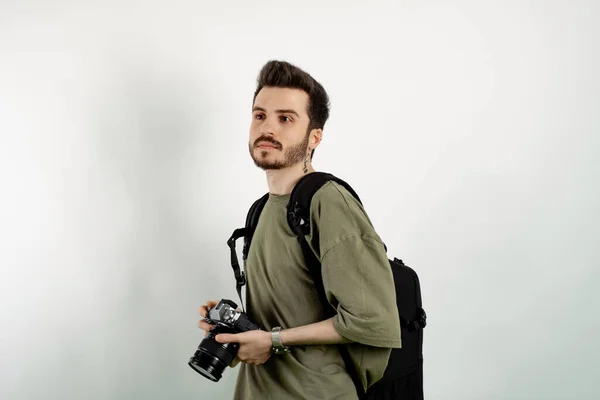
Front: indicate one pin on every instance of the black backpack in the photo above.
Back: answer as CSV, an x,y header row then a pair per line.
x,y
403,377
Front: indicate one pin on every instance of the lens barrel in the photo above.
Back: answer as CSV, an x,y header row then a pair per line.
x,y
211,358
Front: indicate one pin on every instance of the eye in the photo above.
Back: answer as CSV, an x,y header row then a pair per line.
x,y
285,118
258,116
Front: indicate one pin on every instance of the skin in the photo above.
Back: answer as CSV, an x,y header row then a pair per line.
x,y
279,121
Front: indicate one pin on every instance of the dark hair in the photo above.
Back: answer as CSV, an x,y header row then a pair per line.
x,y
285,75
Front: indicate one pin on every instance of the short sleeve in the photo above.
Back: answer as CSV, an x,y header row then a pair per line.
x,y
357,277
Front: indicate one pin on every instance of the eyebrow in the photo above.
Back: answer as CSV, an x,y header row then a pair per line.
x,y
281,111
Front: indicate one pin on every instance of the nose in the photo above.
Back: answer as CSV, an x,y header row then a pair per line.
x,y
267,133
268,127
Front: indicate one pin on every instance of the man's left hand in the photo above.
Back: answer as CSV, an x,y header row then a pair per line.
x,y
255,346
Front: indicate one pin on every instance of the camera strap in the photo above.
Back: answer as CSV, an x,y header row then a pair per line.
x,y
240,276
247,232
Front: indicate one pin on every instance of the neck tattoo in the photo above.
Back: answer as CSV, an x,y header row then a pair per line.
x,y
305,162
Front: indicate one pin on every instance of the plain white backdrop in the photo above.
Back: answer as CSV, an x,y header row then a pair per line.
x,y
468,128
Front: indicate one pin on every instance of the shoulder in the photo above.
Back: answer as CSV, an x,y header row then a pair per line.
x,y
334,194
337,215
334,203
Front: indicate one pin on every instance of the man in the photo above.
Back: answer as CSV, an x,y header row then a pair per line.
x,y
289,112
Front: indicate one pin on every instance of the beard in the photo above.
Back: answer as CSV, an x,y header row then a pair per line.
x,y
292,155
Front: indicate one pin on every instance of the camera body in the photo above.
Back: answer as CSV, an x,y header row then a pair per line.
x,y
211,358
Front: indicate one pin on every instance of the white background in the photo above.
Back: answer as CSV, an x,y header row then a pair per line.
x,y
468,128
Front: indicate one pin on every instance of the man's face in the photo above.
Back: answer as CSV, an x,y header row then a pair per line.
x,y
279,134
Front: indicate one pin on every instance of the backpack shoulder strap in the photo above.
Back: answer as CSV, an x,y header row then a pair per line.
x,y
298,216
252,220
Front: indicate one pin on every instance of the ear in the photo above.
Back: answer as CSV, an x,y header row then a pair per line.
x,y
316,135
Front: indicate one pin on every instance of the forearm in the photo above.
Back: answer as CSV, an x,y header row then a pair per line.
x,y
313,334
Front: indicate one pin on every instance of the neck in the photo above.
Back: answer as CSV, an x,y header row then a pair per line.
x,y
282,181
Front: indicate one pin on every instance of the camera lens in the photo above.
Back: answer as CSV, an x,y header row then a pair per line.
x,y
211,358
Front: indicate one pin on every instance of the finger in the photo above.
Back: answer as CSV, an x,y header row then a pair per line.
x,y
203,309
205,325
227,338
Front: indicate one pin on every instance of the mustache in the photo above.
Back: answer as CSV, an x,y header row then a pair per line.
x,y
262,140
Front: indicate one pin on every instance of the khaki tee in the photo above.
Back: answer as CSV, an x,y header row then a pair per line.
x,y
358,283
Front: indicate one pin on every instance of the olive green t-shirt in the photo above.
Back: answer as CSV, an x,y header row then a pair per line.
x,y
280,292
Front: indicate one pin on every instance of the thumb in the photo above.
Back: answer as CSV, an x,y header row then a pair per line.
x,y
227,338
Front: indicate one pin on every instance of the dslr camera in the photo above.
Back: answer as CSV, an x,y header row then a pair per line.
x,y
211,358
